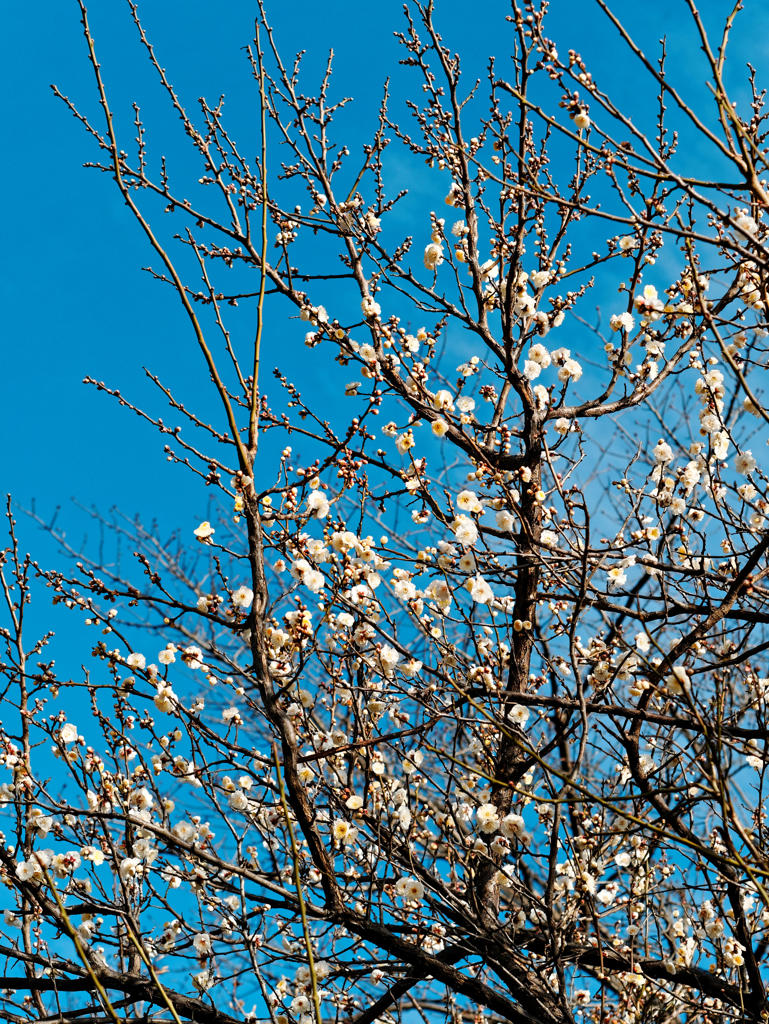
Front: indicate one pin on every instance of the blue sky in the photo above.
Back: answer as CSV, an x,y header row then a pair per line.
x,y
74,300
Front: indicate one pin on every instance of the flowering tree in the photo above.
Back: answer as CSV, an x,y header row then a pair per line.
x,y
456,706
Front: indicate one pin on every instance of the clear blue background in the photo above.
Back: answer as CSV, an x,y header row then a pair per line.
x,y
74,300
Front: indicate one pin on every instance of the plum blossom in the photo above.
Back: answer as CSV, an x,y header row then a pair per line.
x,y
454,193
405,441
512,827
165,699
311,578
468,501
505,520
38,819
750,406
616,577
243,597
465,530
678,680
487,817
238,800
343,832
203,980
433,256
622,322
410,889
570,370
317,502
540,355
168,655
662,452
480,591
439,592
68,733
649,304
745,222
370,308
582,120
184,830
518,714
129,868
63,864
733,953
141,799
33,869
192,657
467,562
720,444
411,668
389,658
642,642
443,400
745,463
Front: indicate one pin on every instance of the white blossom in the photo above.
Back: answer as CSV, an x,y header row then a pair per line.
x,y
433,256
243,597
622,322
662,452
480,591
468,501
410,889
745,463
317,502
68,733
465,530
487,817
